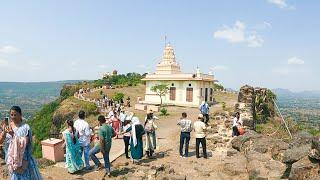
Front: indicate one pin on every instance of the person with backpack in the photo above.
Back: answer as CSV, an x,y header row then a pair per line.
x,y
204,109
186,127
237,123
151,140
136,142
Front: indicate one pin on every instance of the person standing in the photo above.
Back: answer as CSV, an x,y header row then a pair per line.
x,y
106,133
73,150
151,140
20,162
136,143
84,133
200,128
204,109
237,122
186,127
126,137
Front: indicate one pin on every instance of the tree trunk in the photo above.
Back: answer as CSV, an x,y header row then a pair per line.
x,y
160,101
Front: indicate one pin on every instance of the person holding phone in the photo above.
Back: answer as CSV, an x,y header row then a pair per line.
x,y
20,141
4,137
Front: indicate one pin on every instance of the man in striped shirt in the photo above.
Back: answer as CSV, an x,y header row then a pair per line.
x,y
186,127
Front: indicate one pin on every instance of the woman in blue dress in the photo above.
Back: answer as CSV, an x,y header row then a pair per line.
x,y
27,169
73,150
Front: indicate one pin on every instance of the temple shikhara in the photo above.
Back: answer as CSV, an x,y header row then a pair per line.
x,y
186,89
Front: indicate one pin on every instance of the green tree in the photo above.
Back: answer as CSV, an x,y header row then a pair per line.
x,y
118,96
161,90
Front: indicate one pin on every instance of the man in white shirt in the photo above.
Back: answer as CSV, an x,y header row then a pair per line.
x,y
186,127
84,133
236,122
200,128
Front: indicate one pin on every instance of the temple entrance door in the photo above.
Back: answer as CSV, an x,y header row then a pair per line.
x,y
189,95
172,93
206,95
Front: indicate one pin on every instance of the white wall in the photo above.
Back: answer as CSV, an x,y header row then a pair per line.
x,y
181,86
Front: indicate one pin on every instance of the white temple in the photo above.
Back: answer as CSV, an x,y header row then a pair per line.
x,y
186,89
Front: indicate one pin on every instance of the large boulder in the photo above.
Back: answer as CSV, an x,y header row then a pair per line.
x,y
301,138
262,166
235,165
296,153
304,169
239,141
315,149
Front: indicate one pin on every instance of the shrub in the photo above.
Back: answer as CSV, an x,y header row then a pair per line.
x,y
164,112
118,96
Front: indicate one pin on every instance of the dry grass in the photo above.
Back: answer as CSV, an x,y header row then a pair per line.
x,y
133,91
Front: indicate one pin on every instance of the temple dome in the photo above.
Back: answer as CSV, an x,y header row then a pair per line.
x,y
168,63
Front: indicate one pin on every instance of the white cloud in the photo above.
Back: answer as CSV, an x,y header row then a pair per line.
x,y
295,61
219,68
8,49
238,34
255,40
262,26
233,34
4,63
34,65
281,4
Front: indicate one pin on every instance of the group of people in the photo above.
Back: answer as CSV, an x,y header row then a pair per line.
x,y
199,127
79,136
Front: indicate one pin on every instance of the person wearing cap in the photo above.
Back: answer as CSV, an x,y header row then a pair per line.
x,y
200,128
151,115
186,127
136,142
204,109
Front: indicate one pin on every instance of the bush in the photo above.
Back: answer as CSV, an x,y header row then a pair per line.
x,y
164,112
118,96
41,125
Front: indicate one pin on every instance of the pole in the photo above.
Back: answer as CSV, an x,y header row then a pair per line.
x,y
285,123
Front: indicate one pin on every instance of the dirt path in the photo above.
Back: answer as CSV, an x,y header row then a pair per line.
x,y
167,155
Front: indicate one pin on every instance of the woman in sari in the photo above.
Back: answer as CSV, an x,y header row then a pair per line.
x,y
73,151
21,164
151,139
136,143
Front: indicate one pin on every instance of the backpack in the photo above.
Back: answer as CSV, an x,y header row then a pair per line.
x,y
149,127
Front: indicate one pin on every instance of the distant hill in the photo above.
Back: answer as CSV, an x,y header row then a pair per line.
x,y
31,96
286,92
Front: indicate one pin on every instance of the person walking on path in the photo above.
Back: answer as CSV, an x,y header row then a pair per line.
x,y
151,139
186,127
96,149
116,123
106,133
200,134
84,133
20,162
73,150
204,109
136,143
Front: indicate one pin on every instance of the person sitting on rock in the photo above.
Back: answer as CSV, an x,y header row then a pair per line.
x,y
200,128
237,122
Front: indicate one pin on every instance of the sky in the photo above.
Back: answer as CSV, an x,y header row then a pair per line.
x,y
266,43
